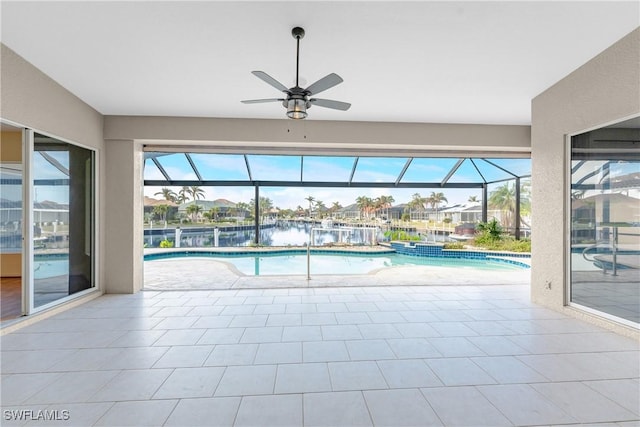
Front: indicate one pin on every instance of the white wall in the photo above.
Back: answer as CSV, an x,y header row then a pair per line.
x,y
31,98
604,90
124,201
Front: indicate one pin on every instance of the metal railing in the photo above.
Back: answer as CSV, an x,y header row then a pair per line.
x,y
611,243
342,231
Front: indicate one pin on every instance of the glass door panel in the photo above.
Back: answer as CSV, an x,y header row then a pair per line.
x,y
605,222
11,213
63,203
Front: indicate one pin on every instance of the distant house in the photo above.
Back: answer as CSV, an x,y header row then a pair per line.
x,y
615,208
348,212
150,203
10,211
43,212
226,208
627,184
468,212
396,212
425,214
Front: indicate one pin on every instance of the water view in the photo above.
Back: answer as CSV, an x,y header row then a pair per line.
x,y
282,233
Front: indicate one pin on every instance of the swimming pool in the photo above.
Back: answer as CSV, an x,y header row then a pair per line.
x,y
44,267
292,263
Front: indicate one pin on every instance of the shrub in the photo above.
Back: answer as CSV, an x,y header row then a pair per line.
x,y
489,230
166,244
400,235
490,236
513,245
509,245
453,245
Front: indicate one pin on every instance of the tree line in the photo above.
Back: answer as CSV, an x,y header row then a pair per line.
x,y
502,199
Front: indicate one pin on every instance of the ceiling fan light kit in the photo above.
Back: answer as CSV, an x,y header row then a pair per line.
x,y
296,108
298,100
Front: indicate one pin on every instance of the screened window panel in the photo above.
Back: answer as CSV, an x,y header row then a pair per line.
x,y
518,167
428,169
221,167
274,168
466,173
177,166
151,171
328,169
378,169
490,172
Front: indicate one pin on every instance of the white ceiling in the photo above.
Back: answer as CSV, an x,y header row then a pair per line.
x,y
455,62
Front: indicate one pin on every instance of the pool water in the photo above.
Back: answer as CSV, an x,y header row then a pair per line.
x,y
50,268
283,264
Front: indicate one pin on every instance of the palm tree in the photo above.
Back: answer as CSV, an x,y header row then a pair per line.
x,y
335,207
320,207
168,194
473,199
310,199
504,199
525,200
417,202
241,208
435,199
365,204
194,210
377,205
212,214
264,205
183,195
196,192
161,212
385,202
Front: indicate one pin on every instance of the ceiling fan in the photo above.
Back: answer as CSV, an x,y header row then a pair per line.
x,y
298,99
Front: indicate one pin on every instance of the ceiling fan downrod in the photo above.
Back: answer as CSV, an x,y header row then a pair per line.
x,y
297,34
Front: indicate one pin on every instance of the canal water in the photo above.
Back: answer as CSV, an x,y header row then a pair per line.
x,y
282,233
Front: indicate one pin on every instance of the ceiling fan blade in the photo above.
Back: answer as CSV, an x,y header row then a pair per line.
x,y
268,79
329,103
258,101
324,83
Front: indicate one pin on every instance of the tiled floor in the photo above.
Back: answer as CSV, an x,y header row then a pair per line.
x,y
387,356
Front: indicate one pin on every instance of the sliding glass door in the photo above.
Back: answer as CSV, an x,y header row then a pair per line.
x,y
47,220
62,262
605,221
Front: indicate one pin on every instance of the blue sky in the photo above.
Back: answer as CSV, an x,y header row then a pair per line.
x,y
328,169
288,168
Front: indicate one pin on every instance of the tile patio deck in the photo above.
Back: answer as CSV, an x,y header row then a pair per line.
x,y
326,356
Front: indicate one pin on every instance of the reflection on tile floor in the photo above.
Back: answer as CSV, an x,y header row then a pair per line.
x,y
397,355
